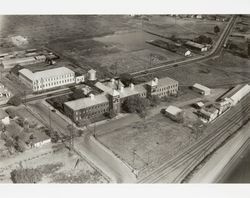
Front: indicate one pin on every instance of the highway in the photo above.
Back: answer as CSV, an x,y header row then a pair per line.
x,y
176,169
216,50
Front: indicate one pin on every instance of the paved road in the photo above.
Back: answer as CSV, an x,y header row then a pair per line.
x,y
216,51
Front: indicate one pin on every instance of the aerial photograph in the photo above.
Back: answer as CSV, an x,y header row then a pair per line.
x,y
132,99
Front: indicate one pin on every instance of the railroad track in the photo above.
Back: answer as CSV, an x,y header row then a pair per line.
x,y
221,129
215,52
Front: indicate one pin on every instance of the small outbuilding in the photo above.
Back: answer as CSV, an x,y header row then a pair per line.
x,y
174,113
201,89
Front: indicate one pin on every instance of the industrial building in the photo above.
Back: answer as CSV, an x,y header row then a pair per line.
x,y
47,79
201,89
112,95
10,63
236,94
196,46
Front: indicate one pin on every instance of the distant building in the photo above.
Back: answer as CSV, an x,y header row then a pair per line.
x,y
10,63
47,79
188,53
196,46
201,89
174,113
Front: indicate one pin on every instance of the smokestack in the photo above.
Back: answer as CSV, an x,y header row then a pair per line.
x,y
92,96
131,86
156,80
121,88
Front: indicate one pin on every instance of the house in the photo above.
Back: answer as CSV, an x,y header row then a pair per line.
x,y
201,89
39,139
174,113
188,53
208,115
4,117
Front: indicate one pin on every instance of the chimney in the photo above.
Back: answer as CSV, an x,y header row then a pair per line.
x,y
121,88
156,80
92,96
131,86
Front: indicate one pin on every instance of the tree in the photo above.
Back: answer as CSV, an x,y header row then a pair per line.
x,y
54,136
28,175
15,100
11,112
202,39
154,100
77,93
126,79
216,29
135,104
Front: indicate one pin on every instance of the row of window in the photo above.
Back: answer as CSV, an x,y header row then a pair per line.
x,y
166,93
59,77
46,85
90,109
168,87
92,114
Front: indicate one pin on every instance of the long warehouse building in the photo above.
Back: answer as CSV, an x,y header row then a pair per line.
x,y
47,79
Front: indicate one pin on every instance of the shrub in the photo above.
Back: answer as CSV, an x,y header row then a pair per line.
x,y
28,175
15,100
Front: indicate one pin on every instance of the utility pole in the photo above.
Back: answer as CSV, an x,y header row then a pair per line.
x,y
50,120
71,141
24,97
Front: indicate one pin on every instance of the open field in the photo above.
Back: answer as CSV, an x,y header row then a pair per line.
x,y
145,144
109,44
61,166
183,28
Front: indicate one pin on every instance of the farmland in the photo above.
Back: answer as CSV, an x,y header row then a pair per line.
x,y
109,44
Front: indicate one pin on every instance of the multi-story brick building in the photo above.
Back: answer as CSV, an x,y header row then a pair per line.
x,y
112,96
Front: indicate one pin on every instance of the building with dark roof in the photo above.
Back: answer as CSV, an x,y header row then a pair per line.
x,y
113,94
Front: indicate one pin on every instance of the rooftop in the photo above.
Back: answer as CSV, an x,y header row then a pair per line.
x,y
173,110
201,87
45,74
86,102
164,81
193,44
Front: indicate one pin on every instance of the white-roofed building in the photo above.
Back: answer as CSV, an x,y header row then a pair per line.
x,y
201,89
47,79
237,93
174,112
